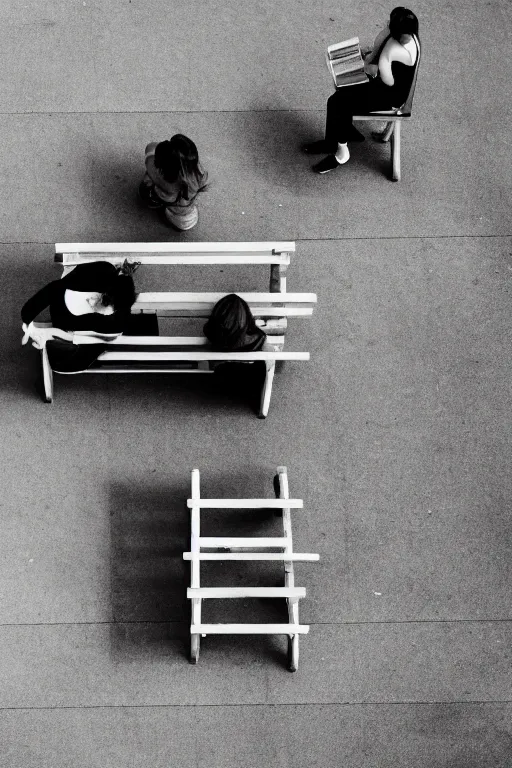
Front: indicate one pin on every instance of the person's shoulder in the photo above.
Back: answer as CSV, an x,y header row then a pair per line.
x,y
96,267
150,149
395,51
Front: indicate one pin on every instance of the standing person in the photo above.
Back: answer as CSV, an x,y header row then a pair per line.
x,y
174,177
95,298
390,65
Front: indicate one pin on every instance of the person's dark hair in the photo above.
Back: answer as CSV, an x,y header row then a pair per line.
x,y
177,159
232,327
121,291
402,21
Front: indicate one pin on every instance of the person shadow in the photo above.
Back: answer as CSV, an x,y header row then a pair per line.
x,y
273,140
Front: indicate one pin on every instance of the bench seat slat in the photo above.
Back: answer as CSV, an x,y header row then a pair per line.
x,y
245,503
295,557
193,310
242,592
220,542
135,356
156,341
207,298
139,369
249,629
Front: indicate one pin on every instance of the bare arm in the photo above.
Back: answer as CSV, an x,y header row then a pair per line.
x,y
391,52
374,52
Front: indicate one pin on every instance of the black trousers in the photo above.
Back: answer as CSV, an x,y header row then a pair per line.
x,y
65,357
353,100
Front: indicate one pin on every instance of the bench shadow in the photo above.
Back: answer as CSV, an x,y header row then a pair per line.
x,y
149,531
183,392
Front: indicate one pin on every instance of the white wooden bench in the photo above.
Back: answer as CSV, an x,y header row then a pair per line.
x,y
240,549
189,354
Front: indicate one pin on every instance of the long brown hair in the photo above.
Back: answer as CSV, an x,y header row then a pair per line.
x,y
177,159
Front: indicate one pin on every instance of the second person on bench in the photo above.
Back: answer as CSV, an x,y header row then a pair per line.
x,y
232,328
174,177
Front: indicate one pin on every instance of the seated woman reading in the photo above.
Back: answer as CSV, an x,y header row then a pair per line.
x,y
96,298
390,65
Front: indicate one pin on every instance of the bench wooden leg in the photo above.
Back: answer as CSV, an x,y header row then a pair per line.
x,y
395,151
47,376
195,642
267,389
278,278
293,653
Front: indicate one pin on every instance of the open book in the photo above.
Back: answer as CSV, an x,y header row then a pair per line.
x,y
346,63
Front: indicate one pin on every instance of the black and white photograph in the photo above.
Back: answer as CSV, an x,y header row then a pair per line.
x,y
255,384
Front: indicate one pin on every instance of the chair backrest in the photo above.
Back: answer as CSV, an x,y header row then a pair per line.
x,y
407,107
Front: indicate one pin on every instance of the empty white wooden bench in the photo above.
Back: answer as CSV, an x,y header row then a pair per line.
x,y
188,354
205,548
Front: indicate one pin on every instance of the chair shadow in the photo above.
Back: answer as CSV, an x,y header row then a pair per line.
x,y
274,143
272,139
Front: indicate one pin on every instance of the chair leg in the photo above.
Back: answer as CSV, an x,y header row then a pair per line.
x,y
395,151
267,389
388,131
47,376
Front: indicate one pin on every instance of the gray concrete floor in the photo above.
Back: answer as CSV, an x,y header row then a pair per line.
x,y
397,434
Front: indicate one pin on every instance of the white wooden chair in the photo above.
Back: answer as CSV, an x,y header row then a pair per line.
x,y
393,119
187,354
240,549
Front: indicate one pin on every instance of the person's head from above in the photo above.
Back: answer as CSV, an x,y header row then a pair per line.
x,y
177,158
120,294
403,24
232,326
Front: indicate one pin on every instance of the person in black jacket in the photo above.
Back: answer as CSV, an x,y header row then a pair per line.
x,y
94,297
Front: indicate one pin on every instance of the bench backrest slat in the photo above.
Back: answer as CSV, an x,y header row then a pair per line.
x,y
202,259
210,247
273,253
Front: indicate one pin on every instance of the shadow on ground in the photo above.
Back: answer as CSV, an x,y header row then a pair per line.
x,y
279,134
149,531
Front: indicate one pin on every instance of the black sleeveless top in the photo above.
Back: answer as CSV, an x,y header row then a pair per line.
x,y
403,76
